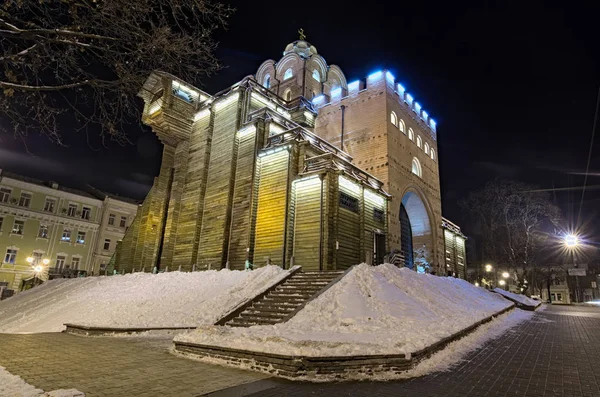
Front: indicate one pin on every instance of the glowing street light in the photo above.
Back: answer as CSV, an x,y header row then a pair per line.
x,y
502,282
505,275
38,269
30,259
476,284
488,268
571,241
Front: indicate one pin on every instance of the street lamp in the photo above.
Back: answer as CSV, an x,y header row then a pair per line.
x,y
502,282
488,268
37,264
505,275
476,284
571,241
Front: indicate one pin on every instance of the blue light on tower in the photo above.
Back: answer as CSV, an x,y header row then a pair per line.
x,y
376,75
424,115
389,77
409,99
354,86
318,99
336,92
401,89
417,107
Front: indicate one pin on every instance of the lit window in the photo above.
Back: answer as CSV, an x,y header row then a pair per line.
x,y
288,74
80,237
316,75
49,205
416,168
426,148
432,154
419,141
18,227
394,119
11,256
85,213
267,81
75,263
111,219
66,235
72,209
4,194
60,262
43,232
287,94
123,221
25,200
402,126
411,134
107,244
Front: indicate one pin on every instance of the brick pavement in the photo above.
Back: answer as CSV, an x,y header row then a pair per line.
x,y
556,353
112,366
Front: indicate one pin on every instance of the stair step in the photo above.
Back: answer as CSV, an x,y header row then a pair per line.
x,y
294,295
278,300
259,319
273,308
257,313
306,288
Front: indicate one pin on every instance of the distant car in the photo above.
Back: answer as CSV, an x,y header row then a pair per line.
x,y
594,302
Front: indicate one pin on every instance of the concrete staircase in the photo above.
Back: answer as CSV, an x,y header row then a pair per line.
x,y
274,307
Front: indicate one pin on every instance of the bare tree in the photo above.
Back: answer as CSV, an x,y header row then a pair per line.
x,y
90,57
509,217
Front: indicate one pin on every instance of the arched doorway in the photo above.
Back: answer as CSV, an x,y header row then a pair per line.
x,y
416,239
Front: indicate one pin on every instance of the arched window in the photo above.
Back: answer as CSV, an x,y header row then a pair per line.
x,y
411,134
394,119
416,167
267,81
402,126
288,74
426,148
419,141
432,154
287,94
316,75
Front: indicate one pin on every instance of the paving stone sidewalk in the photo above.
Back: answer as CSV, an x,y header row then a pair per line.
x,y
112,366
555,354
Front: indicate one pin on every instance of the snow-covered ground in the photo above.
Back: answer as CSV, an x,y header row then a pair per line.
x,y
372,310
518,297
14,386
134,300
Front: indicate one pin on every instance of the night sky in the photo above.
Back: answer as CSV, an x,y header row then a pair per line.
x,y
512,86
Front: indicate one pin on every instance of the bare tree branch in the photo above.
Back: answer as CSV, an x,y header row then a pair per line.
x,y
88,59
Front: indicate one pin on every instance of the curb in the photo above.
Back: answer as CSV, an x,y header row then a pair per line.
x,y
318,367
85,330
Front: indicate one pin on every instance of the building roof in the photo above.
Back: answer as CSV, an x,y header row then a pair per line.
x,y
48,184
88,191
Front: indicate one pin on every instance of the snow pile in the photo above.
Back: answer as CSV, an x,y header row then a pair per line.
x,y
372,310
172,299
15,386
518,297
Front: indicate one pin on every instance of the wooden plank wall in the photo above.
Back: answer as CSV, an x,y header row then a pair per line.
x,y
242,196
271,208
307,222
219,184
349,230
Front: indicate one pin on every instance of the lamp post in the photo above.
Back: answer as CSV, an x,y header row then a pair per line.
x,y
571,243
38,264
489,268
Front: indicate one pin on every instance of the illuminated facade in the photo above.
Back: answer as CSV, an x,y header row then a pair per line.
x,y
54,227
289,166
455,255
